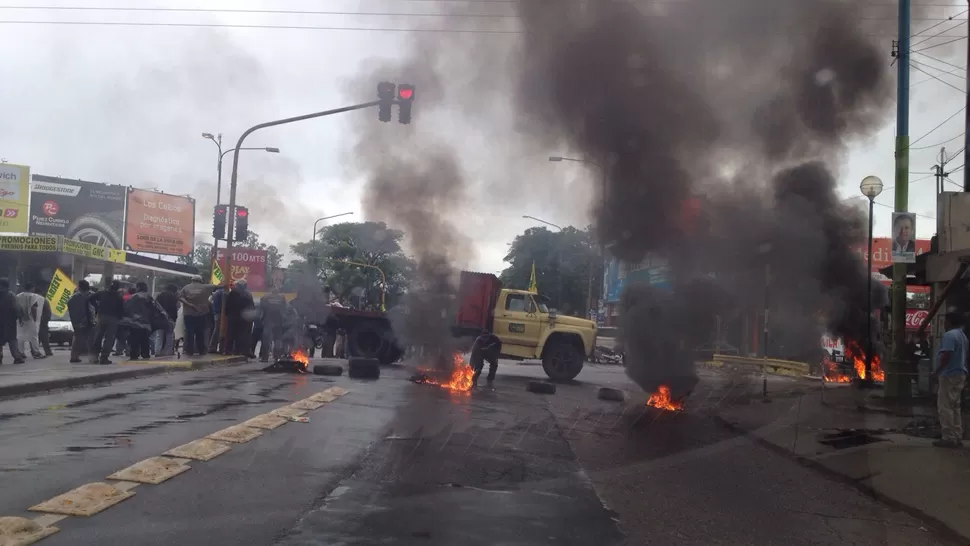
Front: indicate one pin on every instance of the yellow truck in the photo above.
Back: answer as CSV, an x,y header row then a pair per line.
x,y
527,328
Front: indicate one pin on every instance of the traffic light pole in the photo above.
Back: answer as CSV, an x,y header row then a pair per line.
x,y
230,231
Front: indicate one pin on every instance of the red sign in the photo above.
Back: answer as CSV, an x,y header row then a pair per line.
x,y
247,265
882,251
915,318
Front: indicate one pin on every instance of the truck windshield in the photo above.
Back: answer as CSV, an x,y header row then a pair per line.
x,y
542,307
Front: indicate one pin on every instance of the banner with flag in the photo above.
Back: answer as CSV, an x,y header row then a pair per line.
x,y
532,280
217,276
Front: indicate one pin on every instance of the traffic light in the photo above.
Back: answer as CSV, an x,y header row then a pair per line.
x,y
405,96
385,94
242,224
219,218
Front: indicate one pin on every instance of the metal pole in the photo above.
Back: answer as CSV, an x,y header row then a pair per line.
x,y
966,123
235,173
894,384
867,380
764,367
215,242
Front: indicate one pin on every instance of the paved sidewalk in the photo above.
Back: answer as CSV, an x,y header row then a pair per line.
x,y
55,372
885,454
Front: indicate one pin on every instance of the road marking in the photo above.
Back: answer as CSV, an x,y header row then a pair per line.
x,y
324,397
266,421
16,531
87,500
288,412
151,471
307,404
237,434
202,449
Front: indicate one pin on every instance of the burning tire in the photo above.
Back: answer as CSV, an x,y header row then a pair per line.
x,y
562,360
541,387
364,368
328,369
610,395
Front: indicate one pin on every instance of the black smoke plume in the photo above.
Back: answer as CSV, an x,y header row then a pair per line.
x,y
746,105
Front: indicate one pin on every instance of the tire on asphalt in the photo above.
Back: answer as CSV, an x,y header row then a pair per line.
x,y
563,360
364,368
610,395
541,387
328,369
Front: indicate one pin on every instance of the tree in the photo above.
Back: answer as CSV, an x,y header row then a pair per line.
x,y
274,258
369,243
564,261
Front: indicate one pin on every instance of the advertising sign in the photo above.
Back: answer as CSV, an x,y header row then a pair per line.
x,y
915,318
22,243
60,290
75,209
160,223
14,193
882,251
904,238
247,265
88,250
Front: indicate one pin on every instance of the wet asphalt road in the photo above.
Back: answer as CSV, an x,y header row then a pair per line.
x,y
398,463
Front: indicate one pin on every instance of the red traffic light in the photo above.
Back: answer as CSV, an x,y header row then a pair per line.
x,y
405,93
221,210
242,213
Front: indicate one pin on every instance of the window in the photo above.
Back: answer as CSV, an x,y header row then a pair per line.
x,y
515,302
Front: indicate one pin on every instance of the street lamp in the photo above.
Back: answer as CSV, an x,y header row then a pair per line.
x,y
556,159
318,220
871,187
217,139
559,258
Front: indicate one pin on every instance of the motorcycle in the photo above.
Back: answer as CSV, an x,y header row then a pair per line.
x,y
315,334
605,355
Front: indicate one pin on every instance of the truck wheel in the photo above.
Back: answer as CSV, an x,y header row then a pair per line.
x,y
365,342
563,361
541,387
328,369
364,368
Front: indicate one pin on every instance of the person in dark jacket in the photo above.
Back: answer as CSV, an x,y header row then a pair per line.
x,y
139,318
240,312
215,339
272,307
45,328
487,347
168,300
110,307
9,316
81,311
121,338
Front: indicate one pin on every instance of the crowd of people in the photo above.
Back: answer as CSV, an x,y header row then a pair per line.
x,y
119,321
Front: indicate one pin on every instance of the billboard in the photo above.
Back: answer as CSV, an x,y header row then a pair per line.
x,y
160,223
247,265
882,251
904,238
82,211
14,193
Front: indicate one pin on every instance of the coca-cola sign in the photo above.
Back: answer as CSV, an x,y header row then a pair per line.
x,y
915,318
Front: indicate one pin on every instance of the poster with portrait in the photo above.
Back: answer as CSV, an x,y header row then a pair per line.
x,y
904,238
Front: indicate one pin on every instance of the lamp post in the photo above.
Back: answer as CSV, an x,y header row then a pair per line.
x,y
217,139
871,187
318,220
559,258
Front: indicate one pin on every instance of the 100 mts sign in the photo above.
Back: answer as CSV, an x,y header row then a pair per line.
x,y
248,264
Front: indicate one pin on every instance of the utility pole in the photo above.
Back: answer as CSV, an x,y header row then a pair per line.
x,y
966,125
895,386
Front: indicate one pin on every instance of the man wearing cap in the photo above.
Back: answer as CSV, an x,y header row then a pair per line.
x,y
195,309
951,373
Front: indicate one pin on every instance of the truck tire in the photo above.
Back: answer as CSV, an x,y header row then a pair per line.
x,y
610,395
364,368
541,387
562,361
366,341
328,369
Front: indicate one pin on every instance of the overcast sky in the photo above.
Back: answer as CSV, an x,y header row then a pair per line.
x,y
127,104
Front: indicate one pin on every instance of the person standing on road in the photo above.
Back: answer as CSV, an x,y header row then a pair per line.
x,y
195,308
215,303
488,347
240,312
272,307
9,316
951,372
45,328
110,307
139,311
82,321
31,307
168,300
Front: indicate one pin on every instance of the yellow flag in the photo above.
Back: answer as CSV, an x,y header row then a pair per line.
x,y
532,280
217,277
60,290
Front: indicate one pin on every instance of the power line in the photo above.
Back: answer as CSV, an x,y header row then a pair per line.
x,y
894,208
914,64
938,145
928,133
938,24
937,59
939,44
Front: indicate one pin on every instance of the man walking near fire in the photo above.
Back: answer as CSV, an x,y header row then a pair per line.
x,y
951,372
487,347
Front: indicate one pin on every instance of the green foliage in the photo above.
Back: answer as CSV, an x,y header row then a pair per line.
x,y
369,243
564,261
274,258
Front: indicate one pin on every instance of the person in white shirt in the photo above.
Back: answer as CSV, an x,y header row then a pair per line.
x,y
31,306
